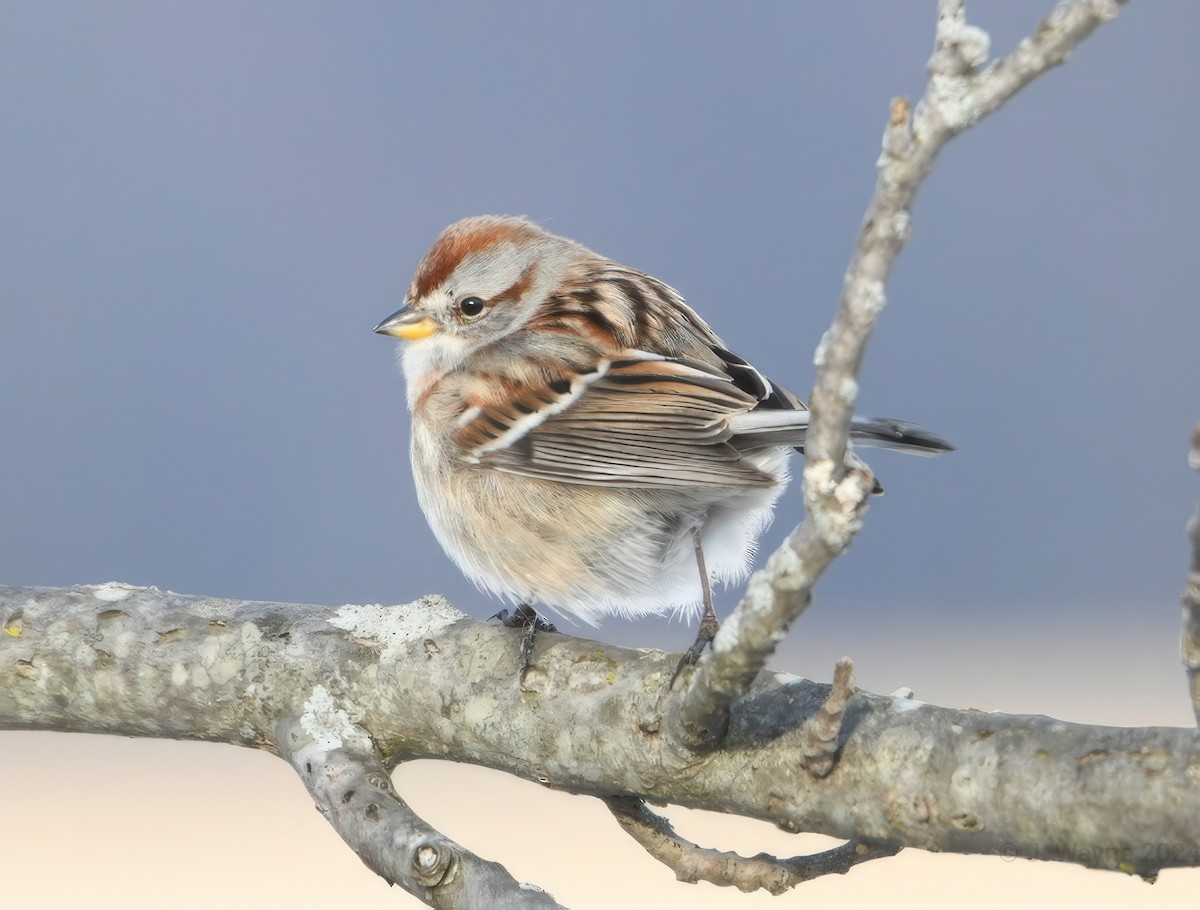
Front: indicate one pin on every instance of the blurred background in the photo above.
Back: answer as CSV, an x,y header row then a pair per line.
x,y
205,207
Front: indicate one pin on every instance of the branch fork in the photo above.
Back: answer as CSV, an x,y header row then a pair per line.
x,y
353,791
962,89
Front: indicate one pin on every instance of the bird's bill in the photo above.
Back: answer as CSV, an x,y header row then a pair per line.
x,y
408,324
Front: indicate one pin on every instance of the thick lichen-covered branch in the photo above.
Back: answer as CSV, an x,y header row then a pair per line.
x,y
425,681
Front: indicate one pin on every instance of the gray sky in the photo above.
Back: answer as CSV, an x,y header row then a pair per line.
x,y
204,208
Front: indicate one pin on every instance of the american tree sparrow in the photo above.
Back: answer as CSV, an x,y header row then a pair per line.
x,y
580,437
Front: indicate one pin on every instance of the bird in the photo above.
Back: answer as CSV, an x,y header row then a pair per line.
x,y
580,438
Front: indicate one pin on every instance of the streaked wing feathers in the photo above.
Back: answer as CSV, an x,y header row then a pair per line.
x,y
638,422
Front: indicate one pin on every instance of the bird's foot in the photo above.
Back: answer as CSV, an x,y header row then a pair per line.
x,y
526,618
708,630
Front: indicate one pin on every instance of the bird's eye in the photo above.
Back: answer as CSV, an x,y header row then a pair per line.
x,y
471,306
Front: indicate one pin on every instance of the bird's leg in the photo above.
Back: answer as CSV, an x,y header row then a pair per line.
x,y
708,620
525,617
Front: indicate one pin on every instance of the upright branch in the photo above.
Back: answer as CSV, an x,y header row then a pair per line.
x,y
1190,639
962,89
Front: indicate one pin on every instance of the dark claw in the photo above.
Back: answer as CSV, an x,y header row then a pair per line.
x,y
526,618
706,633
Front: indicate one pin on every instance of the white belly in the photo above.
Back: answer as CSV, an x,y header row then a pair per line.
x,y
587,551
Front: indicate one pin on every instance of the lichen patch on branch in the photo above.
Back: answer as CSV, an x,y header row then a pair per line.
x,y
394,626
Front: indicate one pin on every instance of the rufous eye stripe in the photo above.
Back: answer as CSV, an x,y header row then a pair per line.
x,y
518,288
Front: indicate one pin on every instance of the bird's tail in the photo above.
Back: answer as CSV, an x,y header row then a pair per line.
x,y
898,435
779,427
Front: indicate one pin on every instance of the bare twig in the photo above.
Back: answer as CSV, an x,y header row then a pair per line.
x,y
818,750
692,863
1190,638
352,789
961,90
